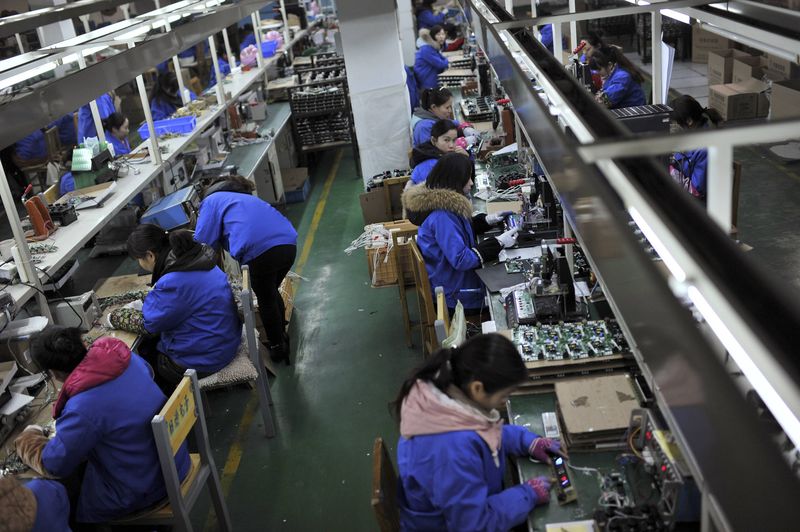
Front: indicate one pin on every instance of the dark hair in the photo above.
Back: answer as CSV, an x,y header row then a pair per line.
x,y
452,171
424,5
167,89
150,237
234,183
685,108
431,97
489,358
595,38
436,28
114,121
58,348
606,55
442,126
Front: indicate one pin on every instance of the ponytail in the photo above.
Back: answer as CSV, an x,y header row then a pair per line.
x,y
182,242
489,358
431,97
607,55
147,237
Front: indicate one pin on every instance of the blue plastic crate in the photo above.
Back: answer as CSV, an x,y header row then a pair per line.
x,y
299,195
268,48
179,126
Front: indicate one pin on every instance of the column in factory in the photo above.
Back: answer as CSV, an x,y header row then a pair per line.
x,y
376,77
407,29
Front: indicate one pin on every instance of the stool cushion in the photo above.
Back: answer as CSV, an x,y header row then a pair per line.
x,y
239,371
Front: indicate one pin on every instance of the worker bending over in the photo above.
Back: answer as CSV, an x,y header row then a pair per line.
x,y
104,441
190,307
256,234
453,443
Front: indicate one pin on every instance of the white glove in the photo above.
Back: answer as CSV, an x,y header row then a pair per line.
x,y
509,238
471,132
107,321
498,217
135,305
34,428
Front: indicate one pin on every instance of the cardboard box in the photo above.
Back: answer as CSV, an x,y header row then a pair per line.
x,y
296,184
746,68
720,65
772,75
786,99
758,88
704,42
732,104
788,69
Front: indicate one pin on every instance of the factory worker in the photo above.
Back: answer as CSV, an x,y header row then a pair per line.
x,y
256,234
429,61
103,416
690,168
447,231
453,444
190,307
425,156
546,36
428,16
248,37
165,98
224,70
435,104
30,150
67,133
411,86
106,104
621,81
36,506
117,127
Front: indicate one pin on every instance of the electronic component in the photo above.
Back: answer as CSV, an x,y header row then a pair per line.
x,y
550,422
520,309
481,109
644,118
78,311
665,462
569,341
174,210
565,491
63,213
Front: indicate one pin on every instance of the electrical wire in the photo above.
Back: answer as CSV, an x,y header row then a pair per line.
x,y
58,292
630,442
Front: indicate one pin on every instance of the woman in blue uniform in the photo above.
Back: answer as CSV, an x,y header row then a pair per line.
x,y
36,506
106,105
429,61
117,128
165,98
191,305
434,105
426,18
453,444
621,81
103,416
425,156
690,168
256,234
447,231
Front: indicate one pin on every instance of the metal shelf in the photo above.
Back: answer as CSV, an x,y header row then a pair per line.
x,y
325,146
41,17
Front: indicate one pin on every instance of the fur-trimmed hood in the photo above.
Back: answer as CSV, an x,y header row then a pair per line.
x,y
426,37
419,201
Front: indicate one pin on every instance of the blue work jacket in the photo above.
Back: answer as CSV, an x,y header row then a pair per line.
x,y
411,85
422,127
622,90
108,427
694,164
31,147
244,225
224,69
162,110
66,130
196,316
426,19
450,481
121,147
420,172
546,36
428,64
52,506
447,243
249,40
86,129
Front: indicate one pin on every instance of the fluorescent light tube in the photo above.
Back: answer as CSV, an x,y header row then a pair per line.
x,y
28,74
658,245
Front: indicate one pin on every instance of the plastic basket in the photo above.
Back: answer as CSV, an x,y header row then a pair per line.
x,y
268,48
180,126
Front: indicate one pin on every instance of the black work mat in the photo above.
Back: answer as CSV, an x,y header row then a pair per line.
x,y
496,277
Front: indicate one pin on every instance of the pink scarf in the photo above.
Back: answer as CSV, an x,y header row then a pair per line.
x,y
428,410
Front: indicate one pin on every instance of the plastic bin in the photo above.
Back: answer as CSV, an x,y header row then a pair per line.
x,y
268,48
179,126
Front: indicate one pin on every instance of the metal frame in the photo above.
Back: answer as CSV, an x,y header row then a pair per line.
x,y
31,20
700,402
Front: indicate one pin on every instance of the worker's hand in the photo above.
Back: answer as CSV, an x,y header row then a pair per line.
x,y
498,217
461,143
34,428
460,150
135,305
509,238
543,448
541,487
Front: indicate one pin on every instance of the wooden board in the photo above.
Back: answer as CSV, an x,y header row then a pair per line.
x,y
120,284
458,72
596,404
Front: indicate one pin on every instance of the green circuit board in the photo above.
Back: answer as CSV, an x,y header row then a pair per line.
x,y
569,341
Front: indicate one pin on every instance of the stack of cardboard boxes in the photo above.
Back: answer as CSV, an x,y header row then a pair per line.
x,y
739,81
